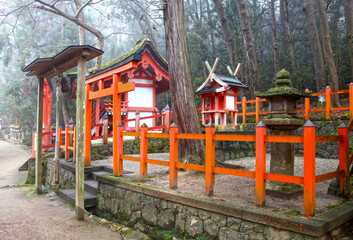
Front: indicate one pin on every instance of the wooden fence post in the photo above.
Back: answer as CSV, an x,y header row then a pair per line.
x,y
60,140
260,182
67,141
309,169
244,109
351,99
118,166
143,152
257,109
328,103
307,107
173,157
105,130
210,159
344,154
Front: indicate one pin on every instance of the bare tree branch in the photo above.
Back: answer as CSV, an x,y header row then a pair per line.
x,y
82,7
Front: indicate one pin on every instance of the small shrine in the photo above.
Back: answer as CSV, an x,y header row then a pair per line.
x,y
219,96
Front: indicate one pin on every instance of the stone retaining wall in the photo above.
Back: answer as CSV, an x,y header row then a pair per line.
x,y
159,212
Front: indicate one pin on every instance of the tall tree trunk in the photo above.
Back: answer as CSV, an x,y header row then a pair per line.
x,y
226,32
184,109
348,9
210,24
274,38
286,32
81,17
315,45
249,46
326,39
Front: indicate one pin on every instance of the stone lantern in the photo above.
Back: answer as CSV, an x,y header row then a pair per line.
x,y
282,120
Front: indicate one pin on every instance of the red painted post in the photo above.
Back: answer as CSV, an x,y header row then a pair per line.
x,y
344,154
67,141
105,130
257,109
34,144
309,169
260,182
210,159
143,152
97,116
244,109
60,140
328,103
173,157
307,107
351,99
88,126
118,165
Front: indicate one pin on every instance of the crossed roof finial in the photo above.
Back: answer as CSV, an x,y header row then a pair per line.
x,y
235,71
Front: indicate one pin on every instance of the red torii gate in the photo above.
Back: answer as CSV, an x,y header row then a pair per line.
x,y
115,90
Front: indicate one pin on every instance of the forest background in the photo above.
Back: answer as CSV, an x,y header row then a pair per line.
x,y
310,38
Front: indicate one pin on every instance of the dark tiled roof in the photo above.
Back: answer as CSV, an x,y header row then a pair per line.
x,y
230,80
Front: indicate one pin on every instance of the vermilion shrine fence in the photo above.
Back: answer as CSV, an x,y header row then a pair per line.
x,y
260,175
244,103
307,110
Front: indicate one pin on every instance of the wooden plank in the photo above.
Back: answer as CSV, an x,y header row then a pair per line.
x,y
119,70
284,139
131,134
101,93
190,136
130,158
190,166
158,135
240,138
328,176
339,108
126,87
234,172
284,178
340,91
328,138
157,162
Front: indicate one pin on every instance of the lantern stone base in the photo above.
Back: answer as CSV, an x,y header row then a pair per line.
x,y
284,190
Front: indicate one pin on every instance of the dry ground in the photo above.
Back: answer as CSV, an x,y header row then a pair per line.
x,y
24,215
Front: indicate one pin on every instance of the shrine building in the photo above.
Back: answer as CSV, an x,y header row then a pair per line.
x,y
219,97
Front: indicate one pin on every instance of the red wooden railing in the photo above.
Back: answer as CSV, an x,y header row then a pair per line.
x,y
44,146
67,141
328,109
307,110
308,139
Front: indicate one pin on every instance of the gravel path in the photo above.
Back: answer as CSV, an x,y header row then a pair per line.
x,y
26,215
234,189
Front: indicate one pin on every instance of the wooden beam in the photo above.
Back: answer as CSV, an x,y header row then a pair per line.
x,y
101,93
119,70
80,161
38,180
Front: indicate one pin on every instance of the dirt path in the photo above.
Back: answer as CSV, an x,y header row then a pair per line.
x,y
24,215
